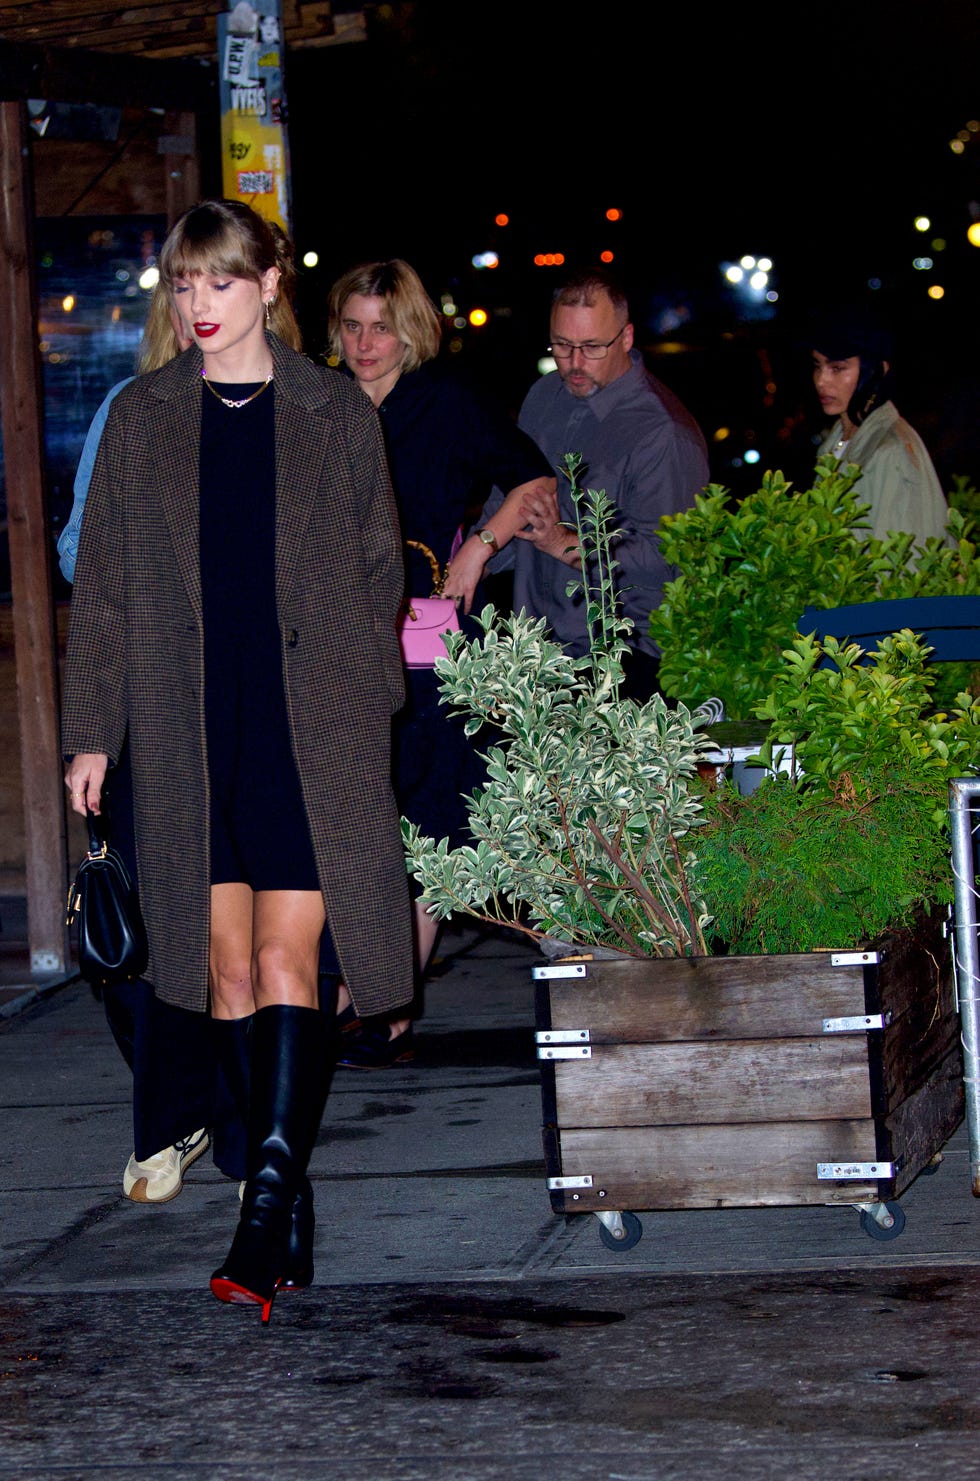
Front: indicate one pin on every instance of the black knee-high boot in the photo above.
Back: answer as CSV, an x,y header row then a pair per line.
x,y
233,1039
288,1088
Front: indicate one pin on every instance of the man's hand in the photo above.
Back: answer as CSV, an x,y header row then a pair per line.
x,y
544,527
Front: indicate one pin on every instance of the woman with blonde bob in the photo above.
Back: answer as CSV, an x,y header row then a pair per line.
x,y
238,580
447,447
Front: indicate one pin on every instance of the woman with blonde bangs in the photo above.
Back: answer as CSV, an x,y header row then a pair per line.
x,y
176,1095
447,445
238,580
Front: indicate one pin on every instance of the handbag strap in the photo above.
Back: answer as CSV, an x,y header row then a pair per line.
x,y
97,842
438,578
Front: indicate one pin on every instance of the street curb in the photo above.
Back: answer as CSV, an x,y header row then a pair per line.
x,y
35,993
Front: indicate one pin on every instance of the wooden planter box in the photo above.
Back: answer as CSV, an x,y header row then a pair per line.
x,y
714,1082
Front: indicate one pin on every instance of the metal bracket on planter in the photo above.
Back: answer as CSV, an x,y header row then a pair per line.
x,y
858,1024
854,958
835,1172
559,970
559,1185
563,1043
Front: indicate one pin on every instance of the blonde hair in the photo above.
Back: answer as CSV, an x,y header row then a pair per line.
x,y
228,238
408,310
159,343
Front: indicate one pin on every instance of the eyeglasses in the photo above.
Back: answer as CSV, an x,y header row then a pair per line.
x,y
563,349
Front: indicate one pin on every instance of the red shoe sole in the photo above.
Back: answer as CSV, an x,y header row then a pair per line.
x,y
236,1295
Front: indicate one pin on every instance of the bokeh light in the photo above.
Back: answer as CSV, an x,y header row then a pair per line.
x,y
478,317
310,259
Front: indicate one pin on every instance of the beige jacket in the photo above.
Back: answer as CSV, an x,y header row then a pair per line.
x,y
897,476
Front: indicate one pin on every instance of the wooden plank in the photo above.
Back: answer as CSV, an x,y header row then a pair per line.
x,y
161,29
707,1084
734,1166
923,1124
68,14
181,171
915,985
133,184
750,997
35,643
79,76
101,28
908,1053
914,965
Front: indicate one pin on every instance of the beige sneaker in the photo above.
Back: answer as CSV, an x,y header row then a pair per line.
x,y
161,1177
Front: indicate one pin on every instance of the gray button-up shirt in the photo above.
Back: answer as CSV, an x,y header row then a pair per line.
x,y
639,444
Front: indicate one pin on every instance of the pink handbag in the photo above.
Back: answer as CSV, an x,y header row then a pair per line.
x,y
425,619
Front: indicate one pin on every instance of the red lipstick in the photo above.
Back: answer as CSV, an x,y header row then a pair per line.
x,y
205,331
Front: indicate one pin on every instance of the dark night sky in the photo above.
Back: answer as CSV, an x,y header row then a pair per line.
x,y
817,132
811,134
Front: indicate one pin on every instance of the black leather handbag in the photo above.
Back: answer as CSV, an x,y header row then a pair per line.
x,y
103,903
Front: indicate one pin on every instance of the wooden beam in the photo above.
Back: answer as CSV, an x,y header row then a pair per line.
x,y
183,170
78,76
35,642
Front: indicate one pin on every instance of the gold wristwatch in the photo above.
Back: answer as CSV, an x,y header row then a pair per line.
x,y
488,538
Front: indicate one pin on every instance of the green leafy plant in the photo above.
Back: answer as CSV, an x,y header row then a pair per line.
x,y
858,720
582,831
747,572
854,838
594,826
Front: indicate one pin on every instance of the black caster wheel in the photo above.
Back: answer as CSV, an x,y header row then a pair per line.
x,y
874,1230
632,1234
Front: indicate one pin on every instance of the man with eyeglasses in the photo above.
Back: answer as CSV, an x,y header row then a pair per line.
x,y
637,442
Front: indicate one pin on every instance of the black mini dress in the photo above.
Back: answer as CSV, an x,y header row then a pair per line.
x,y
259,830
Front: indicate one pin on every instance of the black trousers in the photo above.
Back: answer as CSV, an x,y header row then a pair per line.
x,y
168,1049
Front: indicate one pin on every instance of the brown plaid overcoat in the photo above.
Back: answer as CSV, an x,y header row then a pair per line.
x,y
135,660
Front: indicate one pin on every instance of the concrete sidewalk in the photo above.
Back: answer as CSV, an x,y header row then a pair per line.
x,y
457,1327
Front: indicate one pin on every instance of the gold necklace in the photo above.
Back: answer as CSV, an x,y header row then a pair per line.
x,y
235,405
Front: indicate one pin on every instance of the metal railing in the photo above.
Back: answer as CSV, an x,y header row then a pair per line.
x,y
964,826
